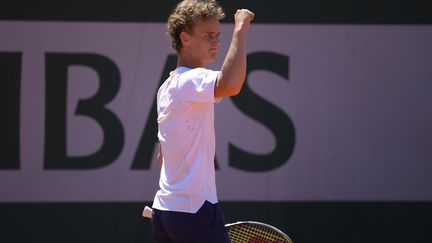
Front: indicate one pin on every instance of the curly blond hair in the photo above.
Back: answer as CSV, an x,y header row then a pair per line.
x,y
186,13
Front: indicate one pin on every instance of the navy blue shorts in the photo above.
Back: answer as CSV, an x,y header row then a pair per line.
x,y
205,226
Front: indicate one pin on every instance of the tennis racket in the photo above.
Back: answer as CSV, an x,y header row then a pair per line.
x,y
247,231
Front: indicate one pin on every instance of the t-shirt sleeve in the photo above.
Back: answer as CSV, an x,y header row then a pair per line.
x,y
198,85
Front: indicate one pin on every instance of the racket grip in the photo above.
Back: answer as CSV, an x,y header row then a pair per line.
x,y
147,212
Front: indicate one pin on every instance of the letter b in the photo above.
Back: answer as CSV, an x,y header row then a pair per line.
x,y
94,107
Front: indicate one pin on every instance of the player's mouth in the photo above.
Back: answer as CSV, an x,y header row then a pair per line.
x,y
213,50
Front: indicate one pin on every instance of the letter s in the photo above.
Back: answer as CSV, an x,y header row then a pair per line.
x,y
267,114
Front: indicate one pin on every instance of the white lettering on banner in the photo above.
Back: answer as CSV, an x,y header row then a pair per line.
x,y
328,113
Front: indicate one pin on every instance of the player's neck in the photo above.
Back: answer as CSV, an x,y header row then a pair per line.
x,y
185,60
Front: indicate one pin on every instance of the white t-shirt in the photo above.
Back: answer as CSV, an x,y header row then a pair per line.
x,y
185,106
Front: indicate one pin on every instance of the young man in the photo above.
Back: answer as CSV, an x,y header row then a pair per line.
x,y
185,208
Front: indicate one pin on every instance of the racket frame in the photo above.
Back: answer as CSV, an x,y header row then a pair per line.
x,y
260,224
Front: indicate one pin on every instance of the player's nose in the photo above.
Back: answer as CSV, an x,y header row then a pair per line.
x,y
215,42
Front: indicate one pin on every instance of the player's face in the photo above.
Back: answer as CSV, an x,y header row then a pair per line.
x,y
205,40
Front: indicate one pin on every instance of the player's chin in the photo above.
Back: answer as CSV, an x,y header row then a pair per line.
x,y
213,56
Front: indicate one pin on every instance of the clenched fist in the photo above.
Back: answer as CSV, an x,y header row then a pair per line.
x,y
243,17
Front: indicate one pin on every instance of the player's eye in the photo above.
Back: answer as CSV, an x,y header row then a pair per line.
x,y
213,36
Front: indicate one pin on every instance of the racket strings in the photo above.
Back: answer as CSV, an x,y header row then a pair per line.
x,y
251,233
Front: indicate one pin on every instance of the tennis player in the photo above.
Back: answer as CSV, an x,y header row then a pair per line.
x,y
185,208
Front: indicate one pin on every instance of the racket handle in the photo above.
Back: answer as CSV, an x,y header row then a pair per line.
x,y
147,212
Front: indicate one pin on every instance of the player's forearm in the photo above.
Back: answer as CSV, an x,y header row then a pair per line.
x,y
233,72
159,155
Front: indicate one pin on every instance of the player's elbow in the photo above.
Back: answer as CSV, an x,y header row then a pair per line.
x,y
227,90
229,86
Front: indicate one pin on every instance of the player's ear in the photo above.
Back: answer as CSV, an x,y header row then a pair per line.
x,y
185,38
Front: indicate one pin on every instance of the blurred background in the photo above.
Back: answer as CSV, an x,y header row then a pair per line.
x,y
330,139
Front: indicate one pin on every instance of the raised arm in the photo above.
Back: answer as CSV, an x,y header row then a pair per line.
x,y
233,71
